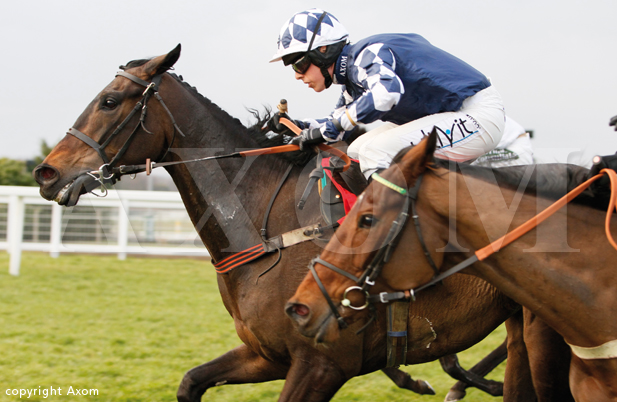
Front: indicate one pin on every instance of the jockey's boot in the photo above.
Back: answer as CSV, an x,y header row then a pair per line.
x,y
352,179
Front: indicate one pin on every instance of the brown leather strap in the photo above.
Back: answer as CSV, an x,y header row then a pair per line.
x,y
238,259
90,142
398,316
135,79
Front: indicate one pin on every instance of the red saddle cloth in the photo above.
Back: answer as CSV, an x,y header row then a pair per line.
x,y
347,197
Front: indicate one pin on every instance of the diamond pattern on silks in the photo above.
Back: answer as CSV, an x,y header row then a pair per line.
x,y
302,26
373,69
397,78
298,31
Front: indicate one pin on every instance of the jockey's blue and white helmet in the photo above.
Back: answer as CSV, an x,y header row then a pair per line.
x,y
297,33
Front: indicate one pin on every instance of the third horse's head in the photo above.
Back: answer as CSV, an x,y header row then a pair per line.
x,y
336,291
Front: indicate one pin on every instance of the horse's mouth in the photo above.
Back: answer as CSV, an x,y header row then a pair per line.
x,y
69,194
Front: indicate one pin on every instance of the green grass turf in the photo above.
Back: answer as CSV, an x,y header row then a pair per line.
x,y
131,329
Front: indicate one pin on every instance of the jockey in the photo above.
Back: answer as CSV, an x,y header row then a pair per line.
x,y
400,79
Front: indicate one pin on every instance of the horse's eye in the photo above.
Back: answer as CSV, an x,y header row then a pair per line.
x,y
110,104
366,221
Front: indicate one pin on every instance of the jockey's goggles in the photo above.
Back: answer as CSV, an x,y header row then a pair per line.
x,y
304,62
302,65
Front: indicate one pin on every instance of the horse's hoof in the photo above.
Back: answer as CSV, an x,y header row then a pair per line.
x,y
455,395
425,388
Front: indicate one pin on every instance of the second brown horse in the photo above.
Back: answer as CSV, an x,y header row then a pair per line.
x,y
563,272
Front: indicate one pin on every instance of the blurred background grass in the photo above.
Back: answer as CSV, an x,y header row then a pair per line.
x,y
132,328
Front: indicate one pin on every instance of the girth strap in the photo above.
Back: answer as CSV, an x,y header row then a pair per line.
x,y
238,259
607,350
279,242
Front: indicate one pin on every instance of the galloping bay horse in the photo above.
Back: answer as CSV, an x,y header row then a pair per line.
x,y
563,271
227,200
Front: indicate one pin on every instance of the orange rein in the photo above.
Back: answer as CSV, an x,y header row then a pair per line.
x,y
503,241
536,220
292,147
149,165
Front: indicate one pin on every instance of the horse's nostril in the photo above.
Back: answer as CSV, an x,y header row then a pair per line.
x,y
301,310
298,309
297,312
44,173
47,173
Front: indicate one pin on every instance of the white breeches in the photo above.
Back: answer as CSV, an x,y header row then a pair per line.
x,y
462,135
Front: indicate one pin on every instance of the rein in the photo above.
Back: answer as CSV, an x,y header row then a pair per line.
x,y
149,165
108,172
516,233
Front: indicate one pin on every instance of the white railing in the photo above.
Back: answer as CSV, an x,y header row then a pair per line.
x,y
124,222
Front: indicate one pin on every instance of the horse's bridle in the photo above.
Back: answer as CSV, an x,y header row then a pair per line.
x,y
373,270
106,172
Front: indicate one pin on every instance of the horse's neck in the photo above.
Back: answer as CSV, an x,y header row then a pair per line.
x,y
224,198
547,270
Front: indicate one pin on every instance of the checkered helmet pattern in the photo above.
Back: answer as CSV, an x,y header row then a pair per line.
x,y
296,34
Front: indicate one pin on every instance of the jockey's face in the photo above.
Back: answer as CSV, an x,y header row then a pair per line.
x,y
313,78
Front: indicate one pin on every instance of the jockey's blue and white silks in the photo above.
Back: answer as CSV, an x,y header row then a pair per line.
x,y
400,79
296,34
463,135
397,78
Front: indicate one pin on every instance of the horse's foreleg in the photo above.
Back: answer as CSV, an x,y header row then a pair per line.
x,y
403,380
451,366
518,385
238,366
312,377
549,360
482,368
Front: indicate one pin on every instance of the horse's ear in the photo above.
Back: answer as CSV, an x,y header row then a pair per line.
x,y
161,64
415,161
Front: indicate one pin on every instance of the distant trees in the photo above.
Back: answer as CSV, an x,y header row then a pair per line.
x,y
19,173
15,173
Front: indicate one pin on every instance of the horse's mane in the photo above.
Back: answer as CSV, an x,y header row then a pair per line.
x,y
547,180
263,138
551,180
